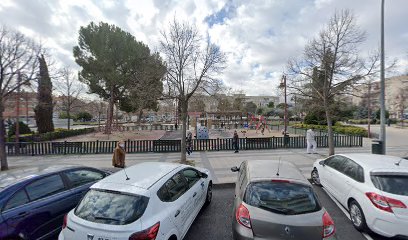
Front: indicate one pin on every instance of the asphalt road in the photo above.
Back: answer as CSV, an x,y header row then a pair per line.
x,y
214,222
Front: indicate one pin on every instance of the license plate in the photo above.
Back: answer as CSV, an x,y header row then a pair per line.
x,y
93,237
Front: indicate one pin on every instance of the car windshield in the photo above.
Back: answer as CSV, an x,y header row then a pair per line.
x,y
111,207
282,197
391,183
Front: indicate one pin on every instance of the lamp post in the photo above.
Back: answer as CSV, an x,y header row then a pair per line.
x,y
382,95
283,85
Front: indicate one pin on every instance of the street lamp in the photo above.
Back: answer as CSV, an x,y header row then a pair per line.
x,y
382,96
283,85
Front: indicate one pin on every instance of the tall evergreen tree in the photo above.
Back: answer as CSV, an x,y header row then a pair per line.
x,y
43,111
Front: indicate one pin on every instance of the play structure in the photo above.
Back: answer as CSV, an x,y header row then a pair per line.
x,y
260,121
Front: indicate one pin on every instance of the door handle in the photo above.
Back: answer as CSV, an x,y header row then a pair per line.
x,y
20,215
194,194
202,184
177,213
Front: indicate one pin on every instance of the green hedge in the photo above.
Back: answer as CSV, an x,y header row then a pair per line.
x,y
57,134
337,128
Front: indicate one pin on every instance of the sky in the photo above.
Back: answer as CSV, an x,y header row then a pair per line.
x,y
258,37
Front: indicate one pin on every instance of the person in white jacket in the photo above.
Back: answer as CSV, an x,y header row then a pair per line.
x,y
311,142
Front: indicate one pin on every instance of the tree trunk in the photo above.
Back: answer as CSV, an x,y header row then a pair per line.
x,y
139,118
69,119
330,131
3,155
110,114
184,130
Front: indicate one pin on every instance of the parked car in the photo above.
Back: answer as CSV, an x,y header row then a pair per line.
x,y
34,200
273,200
373,188
151,200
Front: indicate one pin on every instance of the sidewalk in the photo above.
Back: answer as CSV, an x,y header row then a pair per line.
x,y
219,163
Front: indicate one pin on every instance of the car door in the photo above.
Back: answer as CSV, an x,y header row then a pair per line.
x,y
176,188
15,212
352,174
331,174
196,184
43,214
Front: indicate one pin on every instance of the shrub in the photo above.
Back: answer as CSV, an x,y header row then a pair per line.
x,y
23,129
57,134
338,128
83,117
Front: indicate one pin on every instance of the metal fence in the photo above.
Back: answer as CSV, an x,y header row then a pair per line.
x,y
143,146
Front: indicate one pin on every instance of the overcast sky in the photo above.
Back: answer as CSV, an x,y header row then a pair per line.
x,y
257,36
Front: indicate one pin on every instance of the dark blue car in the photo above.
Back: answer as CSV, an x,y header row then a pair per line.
x,y
33,201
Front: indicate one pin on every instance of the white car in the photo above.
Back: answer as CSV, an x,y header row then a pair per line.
x,y
149,200
373,188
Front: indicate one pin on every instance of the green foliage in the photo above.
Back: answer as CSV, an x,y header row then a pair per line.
x,y
57,134
43,110
316,118
259,111
378,114
63,115
23,129
250,107
337,128
83,117
271,105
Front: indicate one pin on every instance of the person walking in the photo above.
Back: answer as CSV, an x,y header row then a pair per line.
x,y
311,142
189,141
235,142
118,159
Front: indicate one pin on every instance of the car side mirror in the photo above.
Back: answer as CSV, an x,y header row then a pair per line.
x,y
235,169
204,175
322,163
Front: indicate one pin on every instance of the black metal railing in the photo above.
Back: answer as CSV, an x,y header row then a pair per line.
x,y
143,146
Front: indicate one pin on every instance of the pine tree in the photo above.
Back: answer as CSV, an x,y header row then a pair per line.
x,y
43,111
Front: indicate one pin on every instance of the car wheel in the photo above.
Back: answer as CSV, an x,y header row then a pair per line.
x,y
315,177
357,216
208,198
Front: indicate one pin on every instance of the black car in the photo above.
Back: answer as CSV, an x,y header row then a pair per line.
x,y
34,200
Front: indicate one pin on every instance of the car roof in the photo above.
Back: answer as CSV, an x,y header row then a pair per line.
x,y
267,169
142,175
21,174
377,162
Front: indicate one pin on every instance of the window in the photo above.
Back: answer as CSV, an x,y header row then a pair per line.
x,y
391,183
282,197
80,177
192,176
18,199
353,170
163,194
45,187
175,186
336,162
111,207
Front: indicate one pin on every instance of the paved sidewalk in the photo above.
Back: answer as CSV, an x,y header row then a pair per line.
x,y
219,163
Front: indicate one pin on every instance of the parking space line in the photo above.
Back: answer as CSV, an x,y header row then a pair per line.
x,y
344,211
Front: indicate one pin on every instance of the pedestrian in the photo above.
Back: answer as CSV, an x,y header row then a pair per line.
x,y
118,159
189,141
311,142
235,142
175,126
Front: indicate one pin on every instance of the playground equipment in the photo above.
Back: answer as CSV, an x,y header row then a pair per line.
x,y
261,123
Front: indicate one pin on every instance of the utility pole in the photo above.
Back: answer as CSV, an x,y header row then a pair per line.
x,y
369,110
17,133
382,95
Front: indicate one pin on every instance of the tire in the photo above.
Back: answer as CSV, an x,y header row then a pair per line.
x,y
357,216
208,197
315,177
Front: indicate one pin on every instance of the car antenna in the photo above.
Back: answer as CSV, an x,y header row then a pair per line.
x,y
127,178
277,173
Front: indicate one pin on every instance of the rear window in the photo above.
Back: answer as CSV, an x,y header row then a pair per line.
x,y
111,207
282,197
394,184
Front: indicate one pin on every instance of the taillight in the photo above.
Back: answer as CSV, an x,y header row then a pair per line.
x,y
64,223
242,216
328,225
148,234
384,203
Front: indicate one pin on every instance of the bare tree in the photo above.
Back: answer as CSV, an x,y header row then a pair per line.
x,y
193,64
401,103
331,65
70,88
18,66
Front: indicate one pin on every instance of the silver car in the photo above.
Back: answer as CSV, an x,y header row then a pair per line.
x,y
273,200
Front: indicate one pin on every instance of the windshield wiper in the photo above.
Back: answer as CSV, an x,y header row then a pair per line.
x,y
277,210
106,218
